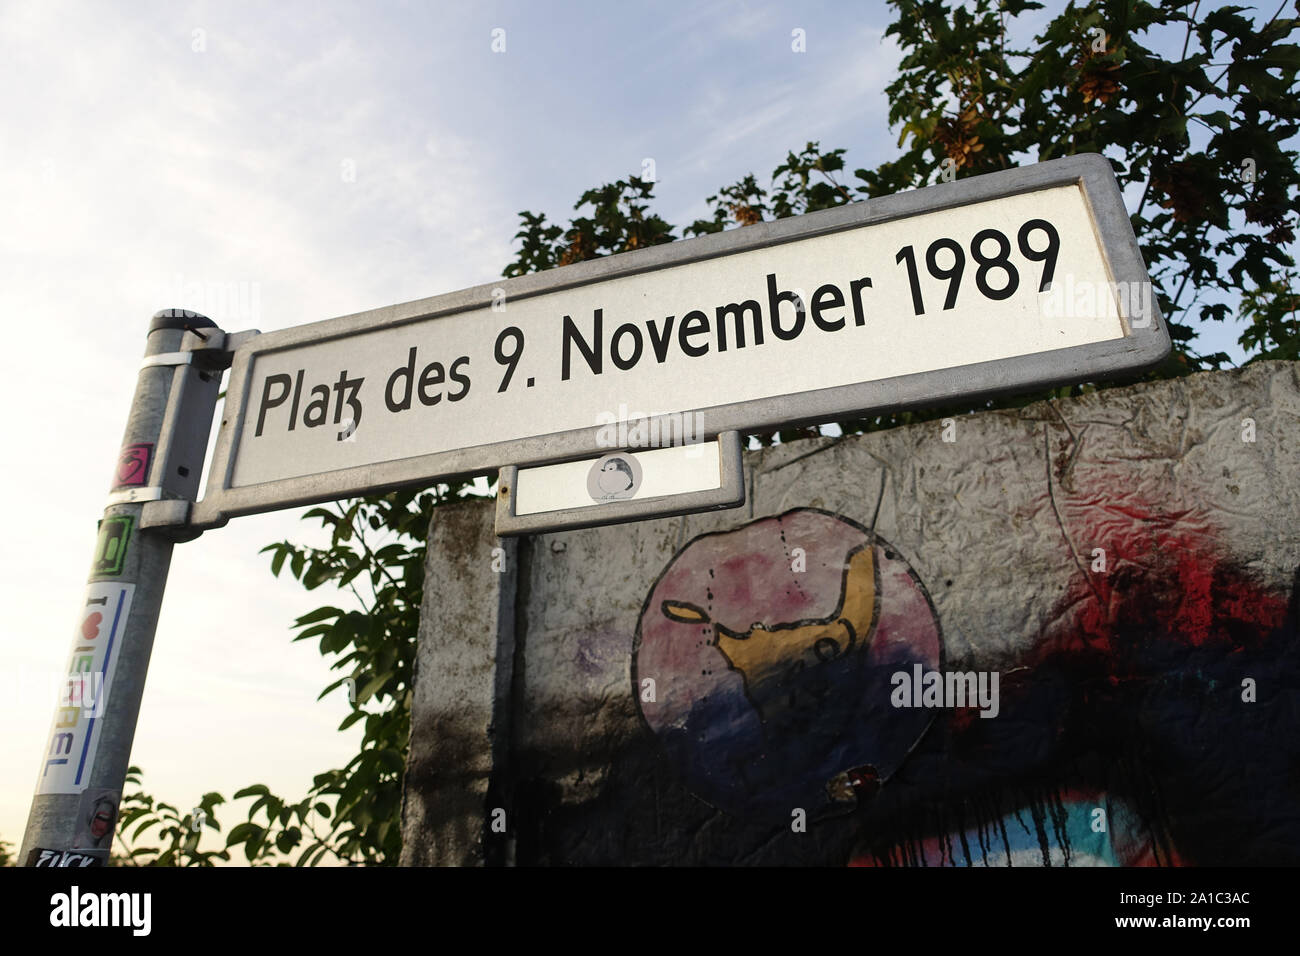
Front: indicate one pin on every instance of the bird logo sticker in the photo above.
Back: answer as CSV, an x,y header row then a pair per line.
x,y
614,477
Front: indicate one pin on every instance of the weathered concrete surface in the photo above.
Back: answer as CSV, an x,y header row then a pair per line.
x,y
463,672
1123,560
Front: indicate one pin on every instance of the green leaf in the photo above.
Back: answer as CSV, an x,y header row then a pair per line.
x,y
315,630
320,614
241,833
369,687
288,839
302,858
253,846
334,686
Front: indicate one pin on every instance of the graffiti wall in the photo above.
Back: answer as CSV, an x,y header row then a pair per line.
x,y
1060,635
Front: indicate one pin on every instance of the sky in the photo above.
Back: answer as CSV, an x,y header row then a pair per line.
x,y
272,165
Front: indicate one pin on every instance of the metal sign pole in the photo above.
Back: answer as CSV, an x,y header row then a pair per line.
x,y
85,759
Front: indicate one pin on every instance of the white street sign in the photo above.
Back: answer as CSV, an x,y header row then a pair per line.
x,y
1004,282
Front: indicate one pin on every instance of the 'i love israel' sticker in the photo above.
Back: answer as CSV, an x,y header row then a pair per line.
x,y
78,719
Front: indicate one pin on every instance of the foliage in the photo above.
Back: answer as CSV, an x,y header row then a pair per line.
x,y
1203,135
350,815
618,223
140,813
378,542
1183,131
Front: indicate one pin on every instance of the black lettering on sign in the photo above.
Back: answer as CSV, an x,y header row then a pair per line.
x,y
855,289
278,389
953,273
297,397
659,341
407,374
623,332
459,378
774,300
737,310
269,401
510,359
432,375
1001,261
693,323
351,386
827,297
317,410
998,262
591,354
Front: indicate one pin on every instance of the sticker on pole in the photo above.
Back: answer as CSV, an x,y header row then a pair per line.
x,y
110,546
96,819
41,856
133,466
78,719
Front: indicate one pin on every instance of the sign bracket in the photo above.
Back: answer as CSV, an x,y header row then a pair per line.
x,y
183,440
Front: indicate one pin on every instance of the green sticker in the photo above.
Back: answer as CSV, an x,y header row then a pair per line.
x,y
110,549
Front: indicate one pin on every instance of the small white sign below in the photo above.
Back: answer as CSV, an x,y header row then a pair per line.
x,y
663,471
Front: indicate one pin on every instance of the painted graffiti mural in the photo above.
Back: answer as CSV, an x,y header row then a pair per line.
x,y
1061,635
775,644
799,666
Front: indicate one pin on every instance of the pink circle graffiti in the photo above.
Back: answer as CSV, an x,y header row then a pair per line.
x,y
771,648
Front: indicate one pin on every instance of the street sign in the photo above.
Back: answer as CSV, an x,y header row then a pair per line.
x,y
1007,282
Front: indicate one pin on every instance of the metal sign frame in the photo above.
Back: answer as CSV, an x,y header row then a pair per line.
x,y
1142,345
730,493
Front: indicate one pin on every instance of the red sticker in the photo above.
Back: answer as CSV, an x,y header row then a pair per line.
x,y
133,465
